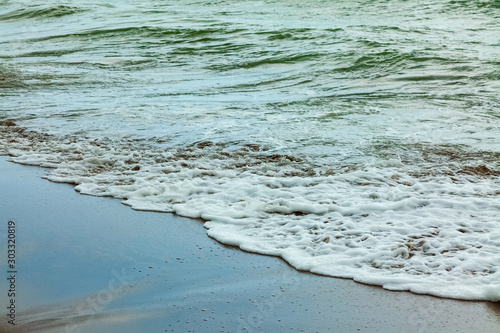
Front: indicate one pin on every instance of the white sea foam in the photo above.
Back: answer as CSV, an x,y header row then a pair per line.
x,y
399,226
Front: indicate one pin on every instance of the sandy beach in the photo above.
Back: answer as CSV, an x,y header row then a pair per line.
x,y
91,264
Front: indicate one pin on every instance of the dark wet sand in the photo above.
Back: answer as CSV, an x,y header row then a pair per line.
x,y
88,264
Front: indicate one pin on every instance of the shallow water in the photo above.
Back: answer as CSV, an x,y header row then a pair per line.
x,y
357,139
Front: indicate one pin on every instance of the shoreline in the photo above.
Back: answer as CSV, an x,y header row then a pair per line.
x,y
90,263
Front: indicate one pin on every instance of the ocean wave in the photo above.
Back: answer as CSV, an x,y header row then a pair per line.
x,y
162,34
352,139
375,223
487,6
39,12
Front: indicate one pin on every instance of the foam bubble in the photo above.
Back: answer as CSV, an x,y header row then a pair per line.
x,y
387,224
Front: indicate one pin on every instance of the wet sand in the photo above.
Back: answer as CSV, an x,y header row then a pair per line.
x,y
89,264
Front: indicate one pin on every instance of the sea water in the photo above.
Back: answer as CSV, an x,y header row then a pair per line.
x,y
355,139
